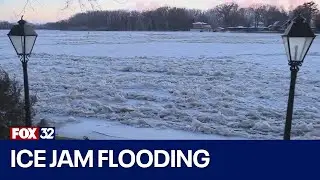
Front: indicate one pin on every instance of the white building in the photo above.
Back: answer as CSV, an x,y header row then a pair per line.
x,y
201,27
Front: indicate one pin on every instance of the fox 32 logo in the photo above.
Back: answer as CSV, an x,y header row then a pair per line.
x,y
32,133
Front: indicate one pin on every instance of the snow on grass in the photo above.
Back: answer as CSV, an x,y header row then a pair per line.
x,y
226,84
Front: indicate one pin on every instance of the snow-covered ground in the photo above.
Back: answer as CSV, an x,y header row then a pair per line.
x,y
98,129
169,85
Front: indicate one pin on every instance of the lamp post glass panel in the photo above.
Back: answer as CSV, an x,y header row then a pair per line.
x,y
297,41
23,38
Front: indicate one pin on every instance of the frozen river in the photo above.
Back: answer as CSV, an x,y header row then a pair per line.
x,y
223,84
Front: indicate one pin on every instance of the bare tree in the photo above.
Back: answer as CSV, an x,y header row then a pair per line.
x,y
226,14
272,14
308,10
317,22
258,10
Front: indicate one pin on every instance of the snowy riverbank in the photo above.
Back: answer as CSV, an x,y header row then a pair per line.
x,y
96,129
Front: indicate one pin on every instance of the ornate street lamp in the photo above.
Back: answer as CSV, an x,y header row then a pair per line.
x,y
297,41
23,38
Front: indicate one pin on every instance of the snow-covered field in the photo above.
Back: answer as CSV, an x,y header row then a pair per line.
x,y
205,85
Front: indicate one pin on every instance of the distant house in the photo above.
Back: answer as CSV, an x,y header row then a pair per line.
x,y
279,25
260,25
201,27
219,29
246,29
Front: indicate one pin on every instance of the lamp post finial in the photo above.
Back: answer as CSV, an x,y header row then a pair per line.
x,y
22,21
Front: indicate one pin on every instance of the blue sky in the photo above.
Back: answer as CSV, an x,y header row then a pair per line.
x,y
52,10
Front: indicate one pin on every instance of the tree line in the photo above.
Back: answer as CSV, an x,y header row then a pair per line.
x,y
172,18
5,25
181,19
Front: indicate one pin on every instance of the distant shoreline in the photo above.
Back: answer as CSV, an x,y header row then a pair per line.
x,y
95,30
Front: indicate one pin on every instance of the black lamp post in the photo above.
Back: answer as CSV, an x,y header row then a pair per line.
x,y
23,38
297,41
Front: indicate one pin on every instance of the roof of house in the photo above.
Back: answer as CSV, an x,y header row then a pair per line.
x,y
199,23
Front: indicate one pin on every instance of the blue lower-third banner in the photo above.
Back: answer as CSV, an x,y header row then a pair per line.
x,y
160,159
